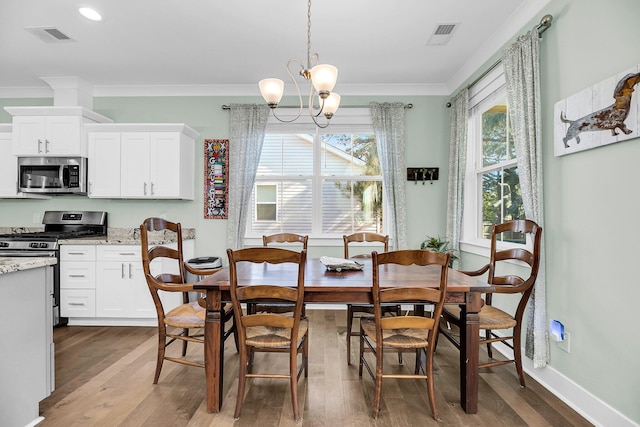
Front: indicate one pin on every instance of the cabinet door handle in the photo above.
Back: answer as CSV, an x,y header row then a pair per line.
x,y
77,275
145,189
76,303
152,188
126,253
76,253
130,271
39,146
122,267
46,145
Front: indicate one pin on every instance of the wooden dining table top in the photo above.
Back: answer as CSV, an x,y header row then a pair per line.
x,y
346,285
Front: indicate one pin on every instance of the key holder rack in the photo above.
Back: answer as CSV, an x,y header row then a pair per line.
x,y
423,174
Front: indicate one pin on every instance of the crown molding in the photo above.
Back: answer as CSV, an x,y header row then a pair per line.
x,y
402,89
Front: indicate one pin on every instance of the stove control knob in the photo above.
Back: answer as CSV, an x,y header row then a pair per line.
x,y
4,244
33,245
43,245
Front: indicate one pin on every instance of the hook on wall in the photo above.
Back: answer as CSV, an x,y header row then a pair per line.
x,y
423,174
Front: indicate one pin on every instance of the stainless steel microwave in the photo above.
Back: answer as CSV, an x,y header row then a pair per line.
x,y
52,175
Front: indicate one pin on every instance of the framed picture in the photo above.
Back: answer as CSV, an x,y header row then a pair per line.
x,y
602,114
216,183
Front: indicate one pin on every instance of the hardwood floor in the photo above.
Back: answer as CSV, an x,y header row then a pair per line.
x,y
104,378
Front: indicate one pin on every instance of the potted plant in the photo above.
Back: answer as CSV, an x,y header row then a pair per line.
x,y
437,244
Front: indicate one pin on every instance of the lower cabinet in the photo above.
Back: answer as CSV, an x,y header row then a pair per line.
x,y
105,284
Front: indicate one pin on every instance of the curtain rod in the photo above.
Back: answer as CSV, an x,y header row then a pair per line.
x,y
409,106
544,24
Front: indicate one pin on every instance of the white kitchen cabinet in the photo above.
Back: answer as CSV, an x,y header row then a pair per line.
x,y
104,164
156,161
8,164
78,281
121,288
51,131
105,284
46,136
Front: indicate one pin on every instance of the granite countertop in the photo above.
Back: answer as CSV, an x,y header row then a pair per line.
x,y
10,265
131,236
115,236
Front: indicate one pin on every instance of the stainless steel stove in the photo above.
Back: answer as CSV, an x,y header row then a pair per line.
x,y
58,225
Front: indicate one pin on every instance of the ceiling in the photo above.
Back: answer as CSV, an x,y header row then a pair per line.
x,y
225,47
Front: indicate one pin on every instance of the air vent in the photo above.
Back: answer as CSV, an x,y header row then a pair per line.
x,y
442,34
49,34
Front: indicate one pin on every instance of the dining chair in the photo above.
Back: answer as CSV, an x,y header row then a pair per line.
x,y
186,316
359,310
492,318
288,238
270,332
412,333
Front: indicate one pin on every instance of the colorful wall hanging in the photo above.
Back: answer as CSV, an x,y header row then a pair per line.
x,y
216,184
602,114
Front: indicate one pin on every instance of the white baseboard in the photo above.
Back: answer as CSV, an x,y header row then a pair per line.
x,y
593,409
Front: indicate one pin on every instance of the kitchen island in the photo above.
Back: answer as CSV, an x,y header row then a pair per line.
x,y
26,347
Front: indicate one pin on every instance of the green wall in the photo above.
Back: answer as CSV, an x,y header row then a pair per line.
x,y
592,283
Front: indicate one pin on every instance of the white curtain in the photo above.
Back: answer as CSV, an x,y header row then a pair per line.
x,y
457,167
389,128
522,73
247,124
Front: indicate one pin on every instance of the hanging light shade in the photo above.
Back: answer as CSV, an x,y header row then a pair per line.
x,y
271,90
322,79
331,104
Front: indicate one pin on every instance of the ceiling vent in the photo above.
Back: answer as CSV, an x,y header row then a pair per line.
x,y
442,34
49,34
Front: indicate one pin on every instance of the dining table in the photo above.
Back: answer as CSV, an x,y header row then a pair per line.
x,y
322,285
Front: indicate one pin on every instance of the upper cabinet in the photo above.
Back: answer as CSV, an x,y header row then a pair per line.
x,y
8,164
141,161
51,131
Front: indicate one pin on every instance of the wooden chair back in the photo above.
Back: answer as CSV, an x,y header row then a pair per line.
x,y
268,292
511,283
409,294
165,281
364,237
285,238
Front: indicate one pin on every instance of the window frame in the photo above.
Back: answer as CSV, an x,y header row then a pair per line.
x,y
488,90
349,121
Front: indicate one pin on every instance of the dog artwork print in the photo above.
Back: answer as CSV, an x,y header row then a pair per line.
x,y
599,115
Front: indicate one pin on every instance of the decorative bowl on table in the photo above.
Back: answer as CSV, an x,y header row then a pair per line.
x,y
340,264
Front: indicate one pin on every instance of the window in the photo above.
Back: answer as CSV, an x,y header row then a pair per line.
x,y
492,191
323,183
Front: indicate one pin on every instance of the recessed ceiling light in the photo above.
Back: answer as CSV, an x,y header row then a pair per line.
x,y
90,13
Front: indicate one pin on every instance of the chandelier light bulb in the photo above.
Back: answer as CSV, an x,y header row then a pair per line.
x,y
324,77
272,91
331,104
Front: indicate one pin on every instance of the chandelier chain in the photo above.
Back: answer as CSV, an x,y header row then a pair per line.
x,y
309,34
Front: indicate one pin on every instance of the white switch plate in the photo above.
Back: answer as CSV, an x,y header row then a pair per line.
x,y
565,345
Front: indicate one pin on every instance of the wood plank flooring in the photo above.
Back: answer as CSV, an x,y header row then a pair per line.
x,y
104,378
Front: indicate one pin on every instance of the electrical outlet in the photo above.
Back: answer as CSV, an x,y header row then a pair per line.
x,y
565,344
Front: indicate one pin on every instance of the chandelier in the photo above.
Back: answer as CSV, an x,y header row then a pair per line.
x,y
322,76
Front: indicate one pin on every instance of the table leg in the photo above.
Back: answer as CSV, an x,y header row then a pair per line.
x,y
213,350
469,352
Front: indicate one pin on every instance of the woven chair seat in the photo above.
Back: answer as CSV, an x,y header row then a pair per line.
x,y
398,338
270,337
189,315
490,317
